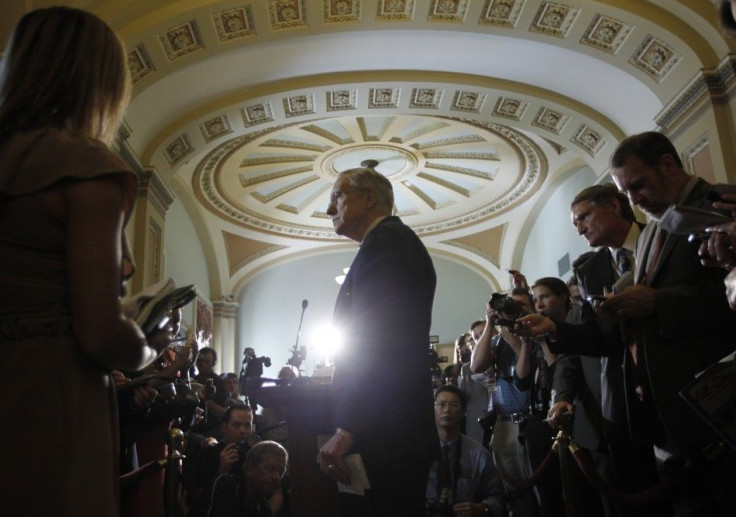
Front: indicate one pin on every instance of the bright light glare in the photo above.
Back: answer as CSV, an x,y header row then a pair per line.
x,y
326,340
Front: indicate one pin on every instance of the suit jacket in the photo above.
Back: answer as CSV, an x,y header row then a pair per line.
x,y
382,380
691,329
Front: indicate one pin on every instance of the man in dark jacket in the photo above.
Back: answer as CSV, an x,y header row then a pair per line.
x,y
384,309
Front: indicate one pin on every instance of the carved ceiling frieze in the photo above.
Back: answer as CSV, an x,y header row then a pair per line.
x,y
287,14
181,40
447,10
554,19
589,140
234,24
501,13
606,33
507,107
550,119
395,10
655,57
341,11
215,128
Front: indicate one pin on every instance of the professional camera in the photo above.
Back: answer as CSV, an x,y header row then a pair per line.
x,y
254,365
507,305
245,446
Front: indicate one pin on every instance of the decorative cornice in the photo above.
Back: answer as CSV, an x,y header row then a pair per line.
x,y
154,190
708,83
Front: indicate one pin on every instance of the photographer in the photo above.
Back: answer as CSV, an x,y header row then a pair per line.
x,y
225,457
214,394
499,351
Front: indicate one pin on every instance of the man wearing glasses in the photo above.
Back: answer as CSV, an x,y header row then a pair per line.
x,y
385,306
464,479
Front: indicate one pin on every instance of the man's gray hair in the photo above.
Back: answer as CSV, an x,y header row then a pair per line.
x,y
602,195
363,178
259,450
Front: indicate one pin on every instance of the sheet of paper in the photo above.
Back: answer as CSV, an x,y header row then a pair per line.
x,y
358,477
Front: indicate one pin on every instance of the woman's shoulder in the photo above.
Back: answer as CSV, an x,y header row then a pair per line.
x,y
39,158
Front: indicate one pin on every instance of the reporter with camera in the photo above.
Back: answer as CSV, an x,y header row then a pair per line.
x,y
224,457
214,394
499,352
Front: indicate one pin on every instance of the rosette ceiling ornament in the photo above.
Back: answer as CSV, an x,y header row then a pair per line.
x,y
446,172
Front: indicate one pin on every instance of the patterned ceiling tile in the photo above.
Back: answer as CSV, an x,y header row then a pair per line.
x,y
425,98
287,14
139,63
471,102
507,107
181,40
246,181
551,120
456,140
425,127
279,158
606,33
655,57
178,149
299,105
502,13
215,127
383,98
590,140
486,175
257,114
341,11
554,19
448,10
340,100
395,10
234,24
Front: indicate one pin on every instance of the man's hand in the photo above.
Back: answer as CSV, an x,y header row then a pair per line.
x,y
518,279
469,509
720,248
636,301
228,457
535,325
331,456
143,397
557,413
730,282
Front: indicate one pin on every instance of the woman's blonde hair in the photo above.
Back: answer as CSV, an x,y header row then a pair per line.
x,y
64,68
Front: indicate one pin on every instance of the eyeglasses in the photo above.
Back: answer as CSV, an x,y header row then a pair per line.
x,y
443,404
337,196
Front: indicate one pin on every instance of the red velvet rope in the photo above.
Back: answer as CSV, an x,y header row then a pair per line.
x,y
136,476
653,494
510,496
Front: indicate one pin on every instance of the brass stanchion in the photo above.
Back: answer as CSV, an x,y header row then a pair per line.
x,y
172,474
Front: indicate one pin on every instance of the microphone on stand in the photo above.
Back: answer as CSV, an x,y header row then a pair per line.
x,y
297,355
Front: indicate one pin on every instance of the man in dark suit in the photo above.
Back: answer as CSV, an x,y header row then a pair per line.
x,y
382,382
593,379
680,323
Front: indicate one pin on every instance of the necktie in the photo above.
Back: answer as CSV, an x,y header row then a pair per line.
x,y
654,251
622,261
444,474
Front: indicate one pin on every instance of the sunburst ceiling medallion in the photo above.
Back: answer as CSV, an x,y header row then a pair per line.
x,y
446,172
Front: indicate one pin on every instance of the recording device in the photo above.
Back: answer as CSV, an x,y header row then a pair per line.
x,y
254,365
245,446
507,305
299,354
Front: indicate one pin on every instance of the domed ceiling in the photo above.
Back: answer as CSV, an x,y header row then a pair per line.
x,y
447,173
474,109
